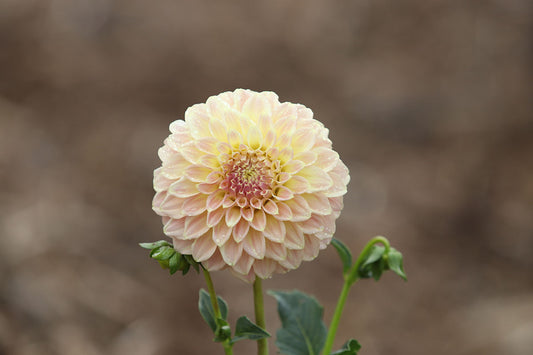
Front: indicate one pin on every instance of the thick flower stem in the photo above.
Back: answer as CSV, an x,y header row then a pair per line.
x,y
228,347
350,278
262,344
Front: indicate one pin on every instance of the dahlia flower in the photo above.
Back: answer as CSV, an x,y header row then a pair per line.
x,y
249,183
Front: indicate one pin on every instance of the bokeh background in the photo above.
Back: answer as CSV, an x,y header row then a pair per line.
x,y
429,103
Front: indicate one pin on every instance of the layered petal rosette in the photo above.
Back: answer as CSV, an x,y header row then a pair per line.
x,y
249,183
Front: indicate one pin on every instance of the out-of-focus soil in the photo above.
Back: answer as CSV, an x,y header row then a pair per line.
x,y
429,103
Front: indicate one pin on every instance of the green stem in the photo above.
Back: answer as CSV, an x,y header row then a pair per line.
x,y
262,344
349,279
228,347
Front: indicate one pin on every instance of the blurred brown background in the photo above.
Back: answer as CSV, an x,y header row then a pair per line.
x,y
428,103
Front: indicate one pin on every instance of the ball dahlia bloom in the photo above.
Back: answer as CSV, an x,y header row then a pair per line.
x,y
249,183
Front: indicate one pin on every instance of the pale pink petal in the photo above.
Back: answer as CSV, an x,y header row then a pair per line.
x,y
307,157
293,260
254,107
300,208
275,251
318,203
208,145
203,248
221,234
174,227
183,188
207,188
312,225
214,216
183,246
231,251
172,207
214,200
233,215
194,205
254,244
264,268
240,230
228,201
234,138
161,183
285,212
248,213
336,203
259,220
274,229
326,158
191,153
218,129
197,173
244,264
215,262
286,125
293,166
285,155
216,107
282,193
270,207
210,161
195,226
255,203
311,249
294,237
178,126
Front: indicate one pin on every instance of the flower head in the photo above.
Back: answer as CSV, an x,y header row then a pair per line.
x,y
249,183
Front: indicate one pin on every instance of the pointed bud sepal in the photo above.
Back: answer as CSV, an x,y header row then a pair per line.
x,y
170,259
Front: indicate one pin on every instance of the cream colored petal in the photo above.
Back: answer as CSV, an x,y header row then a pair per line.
x,y
216,107
285,155
215,262
214,217
191,153
294,237
269,139
214,200
265,124
210,161
203,248
240,230
197,173
275,251
293,166
326,158
302,140
307,157
197,121
218,130
183,188
303,112
228,201
174,227
318,203
178,126
195,226
171,206
255,203
300,208
282,178
254,107
183,246
165,153
285,110
161,183
264,268
158,199
207,145
318,179
234,139
193,206
232,120
233,215
283,141
254,244
274,229
297,184
221,234
254,137
311,249
231,252
244,264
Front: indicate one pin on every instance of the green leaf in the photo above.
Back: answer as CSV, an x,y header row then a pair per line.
x,y
373,265
303,332
192,262
223,330
162,253
344,254
245,329
395,263
174,263
154,245
207,311
351,347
